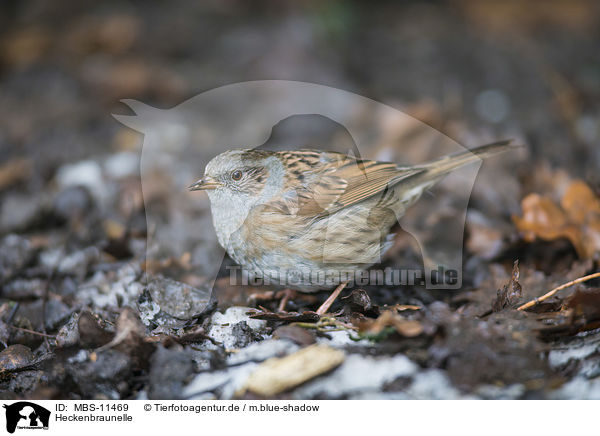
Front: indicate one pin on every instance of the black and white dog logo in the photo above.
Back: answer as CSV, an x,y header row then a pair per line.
x,y
26,415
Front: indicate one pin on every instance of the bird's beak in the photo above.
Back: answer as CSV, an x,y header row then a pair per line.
x,y
206,183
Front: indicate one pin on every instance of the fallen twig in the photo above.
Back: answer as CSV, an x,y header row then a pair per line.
x,y
555,290
322,310
33,332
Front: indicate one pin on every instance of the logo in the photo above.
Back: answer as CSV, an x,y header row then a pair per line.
x,y
26,415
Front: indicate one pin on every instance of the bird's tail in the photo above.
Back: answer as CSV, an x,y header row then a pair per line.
x,y
447,164
436,169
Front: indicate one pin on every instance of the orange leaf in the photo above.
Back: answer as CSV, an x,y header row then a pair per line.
x,y
577,218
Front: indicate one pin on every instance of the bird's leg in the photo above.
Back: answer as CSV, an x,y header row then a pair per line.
x,y
285,295
322,310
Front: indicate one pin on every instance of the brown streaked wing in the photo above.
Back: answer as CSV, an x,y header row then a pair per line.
x,y
333,180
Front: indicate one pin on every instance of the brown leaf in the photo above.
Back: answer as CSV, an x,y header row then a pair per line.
x,y
511,293
582,312
585,305
277,375
13,171
359,301
577,218
91,333
388,318
130,338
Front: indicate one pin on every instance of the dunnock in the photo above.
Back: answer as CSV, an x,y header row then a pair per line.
x,y
302,217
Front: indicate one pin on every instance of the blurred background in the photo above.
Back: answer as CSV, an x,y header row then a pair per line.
x,y
498,68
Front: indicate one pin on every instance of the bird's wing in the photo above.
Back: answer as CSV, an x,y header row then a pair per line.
x,y
325,182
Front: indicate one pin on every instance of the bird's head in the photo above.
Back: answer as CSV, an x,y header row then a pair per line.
x,y
237,181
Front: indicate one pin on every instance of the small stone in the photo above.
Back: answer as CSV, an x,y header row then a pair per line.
x,y
260,351
15,253
222,325
56,312
169,371
178,299
20,211
104,290
22,288
78,263
169,303
72,202
85,173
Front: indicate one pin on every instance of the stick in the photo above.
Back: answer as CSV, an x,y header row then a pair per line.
x,y
555,290
33,332
322,310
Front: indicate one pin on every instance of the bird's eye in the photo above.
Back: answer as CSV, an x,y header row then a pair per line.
x,y
236,175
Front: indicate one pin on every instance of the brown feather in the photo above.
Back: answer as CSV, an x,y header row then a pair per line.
x,y
332,181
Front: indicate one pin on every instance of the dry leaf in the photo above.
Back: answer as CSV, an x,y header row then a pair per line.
x,y
585,305
581,313
277,375
511,293
14,171
403,326
577,218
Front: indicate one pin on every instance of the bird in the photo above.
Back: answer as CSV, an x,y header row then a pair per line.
x,y
307,218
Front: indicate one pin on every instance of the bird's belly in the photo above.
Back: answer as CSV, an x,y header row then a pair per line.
x,y
311,254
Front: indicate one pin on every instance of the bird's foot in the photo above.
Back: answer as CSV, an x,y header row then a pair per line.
x,y
285,296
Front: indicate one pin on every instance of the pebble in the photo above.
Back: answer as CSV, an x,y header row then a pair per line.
x,y
20,211
104,290
179,299
222,325
15,357
72,202
85,173
169,370
77,263
15,253
260,351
